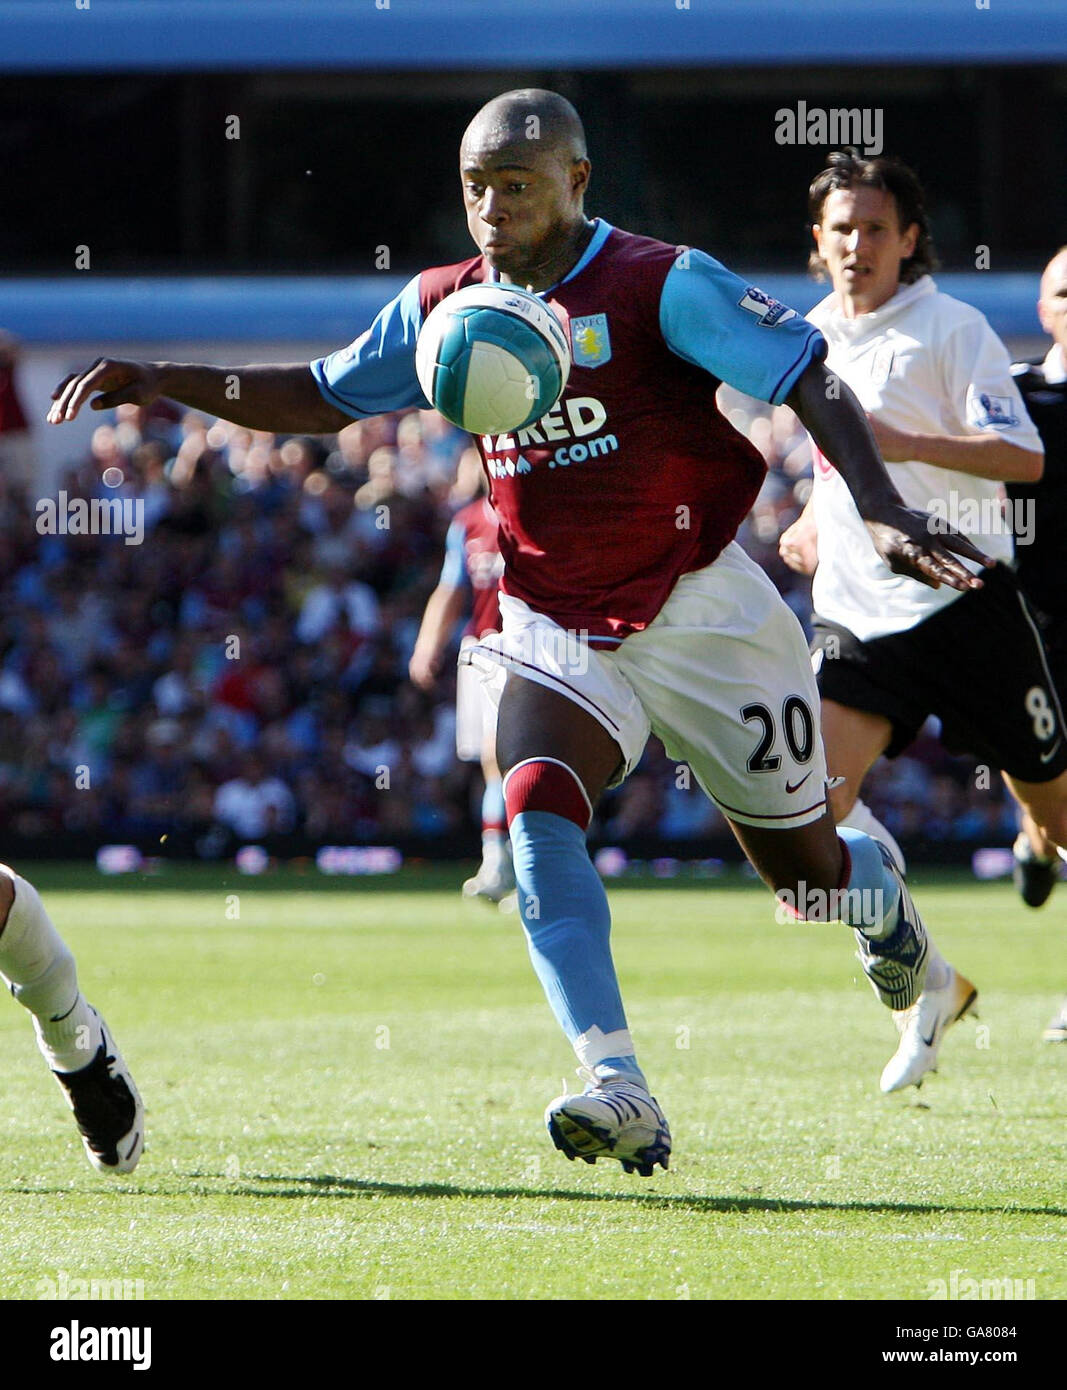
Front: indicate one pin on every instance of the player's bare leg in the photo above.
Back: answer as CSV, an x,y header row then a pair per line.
x,y
1043,831
854,740
534,720
793,862
1036,868
558,760
1039,841
826,875
39,969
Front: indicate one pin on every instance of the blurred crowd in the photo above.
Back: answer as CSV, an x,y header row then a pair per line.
x,y
243,671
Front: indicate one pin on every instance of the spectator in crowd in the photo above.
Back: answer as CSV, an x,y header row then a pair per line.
x,y
255,805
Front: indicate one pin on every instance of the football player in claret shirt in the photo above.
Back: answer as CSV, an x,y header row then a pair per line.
x,y
470,579
949,419
627,606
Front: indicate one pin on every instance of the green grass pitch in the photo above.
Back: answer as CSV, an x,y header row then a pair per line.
x,y
345,1087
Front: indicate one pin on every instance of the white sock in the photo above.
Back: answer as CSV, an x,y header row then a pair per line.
x,y
494,848
1024,851
39,969
861,817
937,969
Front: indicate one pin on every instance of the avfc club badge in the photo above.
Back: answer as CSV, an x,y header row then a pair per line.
x,y
590,340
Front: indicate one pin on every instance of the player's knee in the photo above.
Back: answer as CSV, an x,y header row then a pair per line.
x,y
546,784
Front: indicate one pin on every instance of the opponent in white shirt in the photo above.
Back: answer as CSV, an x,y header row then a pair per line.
x,y
951,425
924,366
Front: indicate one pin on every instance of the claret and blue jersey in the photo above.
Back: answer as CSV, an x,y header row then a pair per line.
x,y
634,477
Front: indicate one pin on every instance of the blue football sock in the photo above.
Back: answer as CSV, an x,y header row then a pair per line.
x,y
876,910
568,924
620,1067
871,901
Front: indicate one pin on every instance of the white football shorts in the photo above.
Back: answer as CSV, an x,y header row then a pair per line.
x,y
475,710
721,675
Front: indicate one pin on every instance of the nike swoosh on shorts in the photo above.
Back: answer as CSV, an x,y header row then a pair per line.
x,y
790,790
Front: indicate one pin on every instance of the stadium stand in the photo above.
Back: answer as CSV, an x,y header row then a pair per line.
x,y
243,675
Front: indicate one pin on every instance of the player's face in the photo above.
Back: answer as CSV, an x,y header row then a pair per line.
x,y
862,243
523,204
1052,306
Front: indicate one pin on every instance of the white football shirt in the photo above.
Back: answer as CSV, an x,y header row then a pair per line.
x,y
926,362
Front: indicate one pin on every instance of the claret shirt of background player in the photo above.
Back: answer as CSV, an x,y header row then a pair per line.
x,y
472,557
634,478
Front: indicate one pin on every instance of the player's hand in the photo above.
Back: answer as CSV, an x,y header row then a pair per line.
x,y
895,446
798,545
423,668
909,544
121,383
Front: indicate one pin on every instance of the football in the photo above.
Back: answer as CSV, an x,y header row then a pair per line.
x,y
492,358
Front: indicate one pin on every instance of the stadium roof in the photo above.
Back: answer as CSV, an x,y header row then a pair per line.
x,y
331,311
170,35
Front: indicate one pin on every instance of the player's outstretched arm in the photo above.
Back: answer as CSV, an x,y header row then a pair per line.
x,y
282,399
443,610
980,455
905,539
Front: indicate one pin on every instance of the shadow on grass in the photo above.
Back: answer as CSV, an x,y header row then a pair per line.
x,y
287,1187
331,1185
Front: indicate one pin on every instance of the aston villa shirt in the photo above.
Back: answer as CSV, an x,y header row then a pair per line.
x,y
634,477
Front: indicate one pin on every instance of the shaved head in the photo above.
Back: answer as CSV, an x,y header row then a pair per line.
x,y
529,114
525,173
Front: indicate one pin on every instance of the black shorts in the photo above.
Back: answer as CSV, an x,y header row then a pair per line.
x,y
979,665
1053,629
